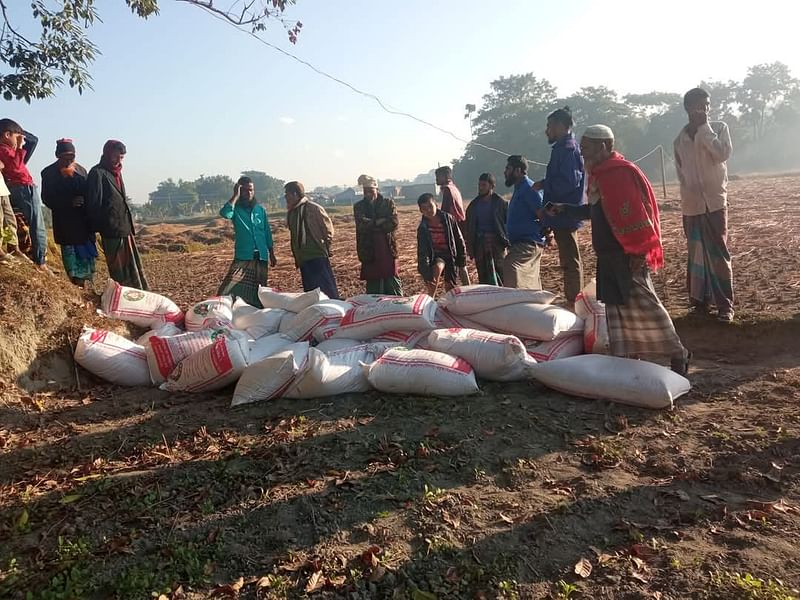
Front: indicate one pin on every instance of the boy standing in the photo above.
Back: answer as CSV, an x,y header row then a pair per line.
x,y
440,246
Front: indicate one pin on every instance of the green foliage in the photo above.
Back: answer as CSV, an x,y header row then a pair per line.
x,y
51,46
748,587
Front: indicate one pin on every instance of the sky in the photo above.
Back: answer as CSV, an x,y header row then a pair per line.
x,y
190,95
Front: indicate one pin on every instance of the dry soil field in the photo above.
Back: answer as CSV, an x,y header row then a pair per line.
x,y
517,493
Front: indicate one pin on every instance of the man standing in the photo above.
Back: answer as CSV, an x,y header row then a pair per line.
x,y
453,205
440,246
109,213
701,151
311,233
563,184
521,264
252,244
376,242
626,236
486,237
63,191
16,149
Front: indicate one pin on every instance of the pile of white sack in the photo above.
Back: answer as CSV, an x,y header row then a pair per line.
x,y
305,345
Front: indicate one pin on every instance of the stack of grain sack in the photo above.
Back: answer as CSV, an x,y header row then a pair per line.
x,y
304,345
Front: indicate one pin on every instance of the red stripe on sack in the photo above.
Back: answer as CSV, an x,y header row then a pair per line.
x,y
165,361
115,297
220,357
458,365
421,300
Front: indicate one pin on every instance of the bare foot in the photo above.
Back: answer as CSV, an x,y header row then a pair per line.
x,y
17,253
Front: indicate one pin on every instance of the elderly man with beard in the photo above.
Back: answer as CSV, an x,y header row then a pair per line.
x,y
376,242
108,211
252,244
626,236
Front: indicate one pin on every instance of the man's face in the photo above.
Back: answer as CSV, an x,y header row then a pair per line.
x,y
115,158
370,193
291,198
10,138
247,191
484,188
698,110
554,131
594,152
441,179
512,174
428,209
66,158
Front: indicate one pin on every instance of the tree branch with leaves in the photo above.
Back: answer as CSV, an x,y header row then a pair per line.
x,y
61,52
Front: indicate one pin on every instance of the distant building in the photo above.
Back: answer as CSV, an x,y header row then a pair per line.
x,y
390,191
346,197
410,193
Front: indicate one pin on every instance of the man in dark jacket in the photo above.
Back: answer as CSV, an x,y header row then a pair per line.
x,y
63,190
110,215
440,246
486,236
376,240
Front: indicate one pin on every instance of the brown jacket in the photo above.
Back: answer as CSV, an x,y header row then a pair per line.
x,y
311,231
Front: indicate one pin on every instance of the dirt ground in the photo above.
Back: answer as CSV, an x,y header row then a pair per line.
x,y
519,492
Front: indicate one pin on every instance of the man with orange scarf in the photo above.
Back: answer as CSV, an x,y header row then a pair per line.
x,y
109,214
626,236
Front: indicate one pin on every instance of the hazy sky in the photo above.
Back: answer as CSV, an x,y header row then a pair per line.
x,y
190,95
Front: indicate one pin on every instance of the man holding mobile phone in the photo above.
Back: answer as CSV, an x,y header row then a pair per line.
x,y
253,245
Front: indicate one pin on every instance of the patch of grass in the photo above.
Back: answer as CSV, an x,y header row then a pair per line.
x,y
565,590
737,586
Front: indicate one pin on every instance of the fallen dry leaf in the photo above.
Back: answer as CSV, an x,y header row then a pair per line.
x,y
583,568
506,519
315,582
231,589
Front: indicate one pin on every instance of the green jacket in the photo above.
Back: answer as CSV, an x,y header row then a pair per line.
x,y
251,230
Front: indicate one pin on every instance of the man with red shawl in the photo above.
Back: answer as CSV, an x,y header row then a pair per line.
x,y
626,236
109,213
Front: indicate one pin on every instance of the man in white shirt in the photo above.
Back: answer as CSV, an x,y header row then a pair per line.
x,y
701,151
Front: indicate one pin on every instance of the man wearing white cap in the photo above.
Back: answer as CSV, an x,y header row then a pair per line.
x,y
376,244
626,236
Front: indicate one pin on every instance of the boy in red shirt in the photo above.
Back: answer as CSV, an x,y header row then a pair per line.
x,y
16,148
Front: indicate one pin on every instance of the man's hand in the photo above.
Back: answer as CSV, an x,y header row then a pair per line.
x,y
236,192
554,209
538,186
272,260
379,222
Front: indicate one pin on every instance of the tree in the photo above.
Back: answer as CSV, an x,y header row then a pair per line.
x,y
214,190
59,49
762,91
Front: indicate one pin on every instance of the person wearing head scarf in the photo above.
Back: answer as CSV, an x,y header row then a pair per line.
x,y
110,216
376,244
63,192
626,236
486,235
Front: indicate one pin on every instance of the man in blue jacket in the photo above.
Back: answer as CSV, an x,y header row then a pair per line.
x,y
524,228
563,184
252,244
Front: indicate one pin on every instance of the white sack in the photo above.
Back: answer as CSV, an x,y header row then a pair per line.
x,y
291,301
166,353
623,380
212,368
362,299
318,321
421,372
493,356
257,322
401,314
595,325
340,372
212,313
528,320
471,299
564,346
146,309
407,339
112,357
270,377
334,344
165,330
267,346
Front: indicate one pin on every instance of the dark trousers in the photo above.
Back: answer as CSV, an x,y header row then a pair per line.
x,y
317,273
25,199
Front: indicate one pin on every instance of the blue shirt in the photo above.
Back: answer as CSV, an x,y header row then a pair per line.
x,y
564,180
251,230
523,223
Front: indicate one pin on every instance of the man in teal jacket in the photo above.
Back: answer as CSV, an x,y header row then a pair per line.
x,y
252,244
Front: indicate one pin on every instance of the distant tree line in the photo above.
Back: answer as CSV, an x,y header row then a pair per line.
x,y
206,194
762,111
